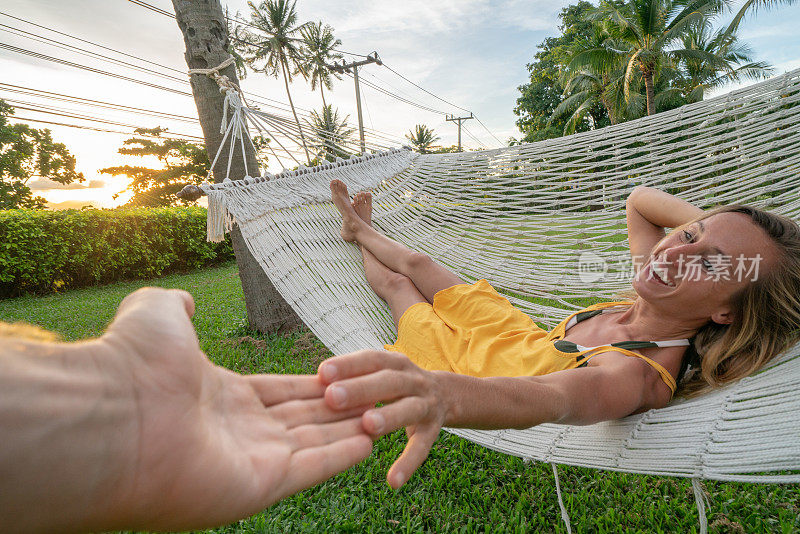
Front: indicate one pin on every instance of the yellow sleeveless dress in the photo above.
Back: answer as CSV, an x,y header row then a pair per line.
x,y
472,330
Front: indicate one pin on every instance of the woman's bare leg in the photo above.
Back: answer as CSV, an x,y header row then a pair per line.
x,y
428,276
396,289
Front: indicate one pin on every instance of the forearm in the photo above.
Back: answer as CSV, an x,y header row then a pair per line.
x,y
660,208
499,402
64,423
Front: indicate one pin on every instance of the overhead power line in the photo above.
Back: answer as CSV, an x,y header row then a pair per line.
x,y
84,52
50,95
259,99
388,93
38,108
90,69
92,43
153,8
264,101
443,100
400,98
80,126
425,90
375,134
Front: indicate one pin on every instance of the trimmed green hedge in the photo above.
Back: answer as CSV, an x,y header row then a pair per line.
x,y
43,251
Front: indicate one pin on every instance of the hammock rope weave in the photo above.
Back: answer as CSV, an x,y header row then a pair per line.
x,y
544,224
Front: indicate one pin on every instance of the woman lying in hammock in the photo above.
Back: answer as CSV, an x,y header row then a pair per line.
x,y
468,358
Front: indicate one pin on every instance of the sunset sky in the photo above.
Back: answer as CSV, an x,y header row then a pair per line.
x,y
472,53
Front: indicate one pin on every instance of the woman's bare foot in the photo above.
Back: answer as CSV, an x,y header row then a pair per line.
x,y
362,204
350,219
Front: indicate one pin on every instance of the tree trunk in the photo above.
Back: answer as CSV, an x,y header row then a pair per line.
x,y
285,69
611,115
651,94
322,92
205,34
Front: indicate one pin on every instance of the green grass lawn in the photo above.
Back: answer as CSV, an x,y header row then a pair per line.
x,y
462,486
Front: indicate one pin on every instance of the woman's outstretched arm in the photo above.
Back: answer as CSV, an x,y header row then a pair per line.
x,y
424,401
648,212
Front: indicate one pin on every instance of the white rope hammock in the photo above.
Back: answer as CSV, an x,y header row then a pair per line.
x,y
538,221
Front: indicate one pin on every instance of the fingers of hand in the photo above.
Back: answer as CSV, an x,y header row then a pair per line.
x,y
156,296
381,386
406,412
311,466
310,411
275,389
417,449
317,435
360,363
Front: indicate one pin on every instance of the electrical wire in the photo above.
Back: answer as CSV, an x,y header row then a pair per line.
x,y
397,97
84,127
37,55
152,8
92,43
480,143
49,110
50,95
60,44
84,52
443,100
408,100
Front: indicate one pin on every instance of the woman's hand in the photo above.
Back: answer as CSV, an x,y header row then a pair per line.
x,y
649,212
418,401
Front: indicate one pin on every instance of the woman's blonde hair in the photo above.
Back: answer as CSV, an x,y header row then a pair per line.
x,y
766,313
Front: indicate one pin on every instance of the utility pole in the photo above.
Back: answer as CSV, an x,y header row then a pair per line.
x,y
459,120
345,67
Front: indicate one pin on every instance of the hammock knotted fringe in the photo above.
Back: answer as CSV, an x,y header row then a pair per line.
x,y
256,196
544,224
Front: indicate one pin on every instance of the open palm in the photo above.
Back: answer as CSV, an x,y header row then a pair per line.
x,y
211,446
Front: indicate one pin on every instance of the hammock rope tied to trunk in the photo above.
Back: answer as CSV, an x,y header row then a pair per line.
x,y
544,224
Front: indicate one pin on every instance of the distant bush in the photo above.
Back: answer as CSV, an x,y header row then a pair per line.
x,y
43,251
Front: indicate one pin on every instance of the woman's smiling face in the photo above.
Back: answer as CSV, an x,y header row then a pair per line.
x,y
696,269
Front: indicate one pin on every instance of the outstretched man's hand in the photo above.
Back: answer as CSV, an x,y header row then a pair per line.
x,y
141,430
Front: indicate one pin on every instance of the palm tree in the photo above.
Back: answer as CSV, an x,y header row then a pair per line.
x,y
650,33
421,138
695,77
332,133
236,42
591,81
754,6
278,49
318,48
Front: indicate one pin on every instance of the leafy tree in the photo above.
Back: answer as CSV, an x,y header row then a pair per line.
x,y
591,82
422,138
276,50
452,149
651,31
545,90
27,153
237,42
752,6
695,77
318,49
184,163
332,133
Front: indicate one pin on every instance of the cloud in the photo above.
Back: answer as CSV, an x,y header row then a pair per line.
x,y
72,205
43,184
